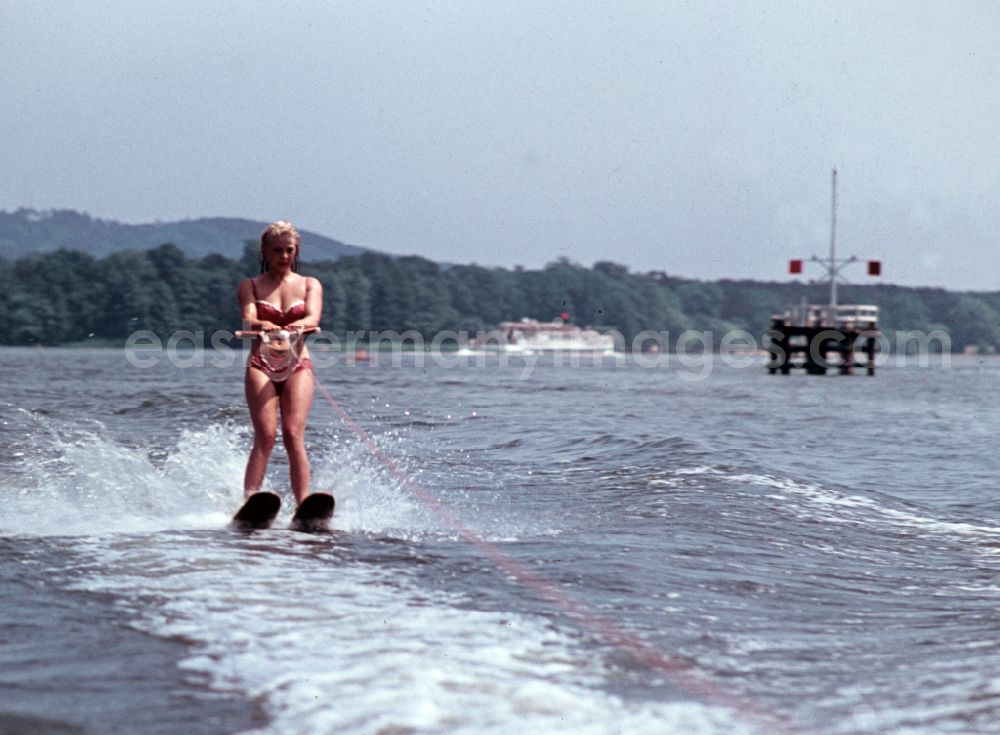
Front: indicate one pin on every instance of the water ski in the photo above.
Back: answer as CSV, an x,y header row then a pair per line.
x,y
257,512
314,513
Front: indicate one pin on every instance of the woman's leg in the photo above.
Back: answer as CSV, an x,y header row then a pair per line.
x,y
262,400
296,400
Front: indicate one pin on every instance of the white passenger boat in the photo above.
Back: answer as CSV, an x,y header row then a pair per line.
x,y
530,336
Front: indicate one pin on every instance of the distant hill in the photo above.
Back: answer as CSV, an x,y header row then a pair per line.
x,y
27,231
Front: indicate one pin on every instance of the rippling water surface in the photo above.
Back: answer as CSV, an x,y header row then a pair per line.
x,y
594,549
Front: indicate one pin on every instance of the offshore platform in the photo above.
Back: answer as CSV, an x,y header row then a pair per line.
x,y
821,337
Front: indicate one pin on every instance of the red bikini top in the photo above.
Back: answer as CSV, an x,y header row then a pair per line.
x,y
268,311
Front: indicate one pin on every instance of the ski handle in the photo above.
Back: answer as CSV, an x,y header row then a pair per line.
x,y
260,332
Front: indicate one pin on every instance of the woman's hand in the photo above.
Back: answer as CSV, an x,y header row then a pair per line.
x,y
268,327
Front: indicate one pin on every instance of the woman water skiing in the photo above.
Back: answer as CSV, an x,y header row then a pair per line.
x,y
281,306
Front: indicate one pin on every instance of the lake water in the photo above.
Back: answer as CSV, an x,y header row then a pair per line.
x,y
593,549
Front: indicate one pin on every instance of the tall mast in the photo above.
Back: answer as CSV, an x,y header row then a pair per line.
x,y
833,248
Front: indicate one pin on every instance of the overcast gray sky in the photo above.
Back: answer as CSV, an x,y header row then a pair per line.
x,y
695,138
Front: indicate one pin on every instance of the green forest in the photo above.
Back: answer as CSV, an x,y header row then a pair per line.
x,y
70,297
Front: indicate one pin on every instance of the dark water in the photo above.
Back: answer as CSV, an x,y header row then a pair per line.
x,y
593,549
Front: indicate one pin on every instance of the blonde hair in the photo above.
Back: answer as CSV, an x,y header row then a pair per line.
x,y
279,230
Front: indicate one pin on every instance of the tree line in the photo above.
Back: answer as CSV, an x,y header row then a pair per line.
x,y
68,296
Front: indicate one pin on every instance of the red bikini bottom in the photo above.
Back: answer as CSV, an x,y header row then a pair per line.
x,y
278,376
